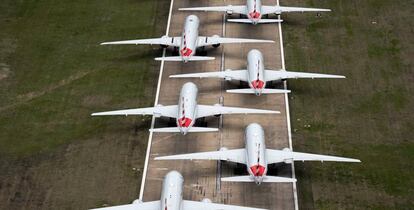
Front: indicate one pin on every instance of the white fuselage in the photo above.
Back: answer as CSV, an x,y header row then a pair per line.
x,y
256,152
255,69
187,106
254,10
172,191
189,37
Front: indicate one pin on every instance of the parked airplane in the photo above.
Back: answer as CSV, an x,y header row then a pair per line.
x,y
172,199
188,42
256,75
256,157
254,11
186,112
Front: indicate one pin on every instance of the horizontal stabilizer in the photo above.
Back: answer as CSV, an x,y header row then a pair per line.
x,y
177,130
179,58
260,21
251,179
264,91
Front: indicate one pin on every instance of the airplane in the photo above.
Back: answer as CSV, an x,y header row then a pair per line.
x,y
186,112
256,75
254,11
256,157
188,42
172,199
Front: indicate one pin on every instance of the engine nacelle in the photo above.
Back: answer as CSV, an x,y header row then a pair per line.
x,y
287,150
230,11
166,37
137,201
216,45
223,149
156,114
227,78
206,200
287,161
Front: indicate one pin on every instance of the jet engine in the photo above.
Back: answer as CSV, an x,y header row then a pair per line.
x,y
137,201
287,161
165,46
227,78
216,45
206,200
223,149
217,115
230,11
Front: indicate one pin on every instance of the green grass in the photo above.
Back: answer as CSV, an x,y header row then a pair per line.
x,y
367,116
58,74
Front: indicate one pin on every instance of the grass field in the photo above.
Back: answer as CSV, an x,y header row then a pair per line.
x,y
367,116
53,74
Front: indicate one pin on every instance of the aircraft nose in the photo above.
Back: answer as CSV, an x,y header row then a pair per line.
x,y
258,92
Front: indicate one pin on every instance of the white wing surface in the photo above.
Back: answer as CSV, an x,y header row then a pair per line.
x,y
234,155
205,110
215,40
281,9
278,75
153,205
229,9
170,41
277,156
195,205
165,111
228,74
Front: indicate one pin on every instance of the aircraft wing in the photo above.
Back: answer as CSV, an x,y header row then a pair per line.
x,y
233,155
170,41
228,74
230,9
278,75
192,205
165,111
153,205
205,110
215,40
277,156
281,9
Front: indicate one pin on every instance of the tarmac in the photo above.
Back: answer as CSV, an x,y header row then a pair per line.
x,y
202,178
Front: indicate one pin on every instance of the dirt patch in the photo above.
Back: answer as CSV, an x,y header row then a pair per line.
x,y
4,71
35,94
77,176
94,101
7,47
